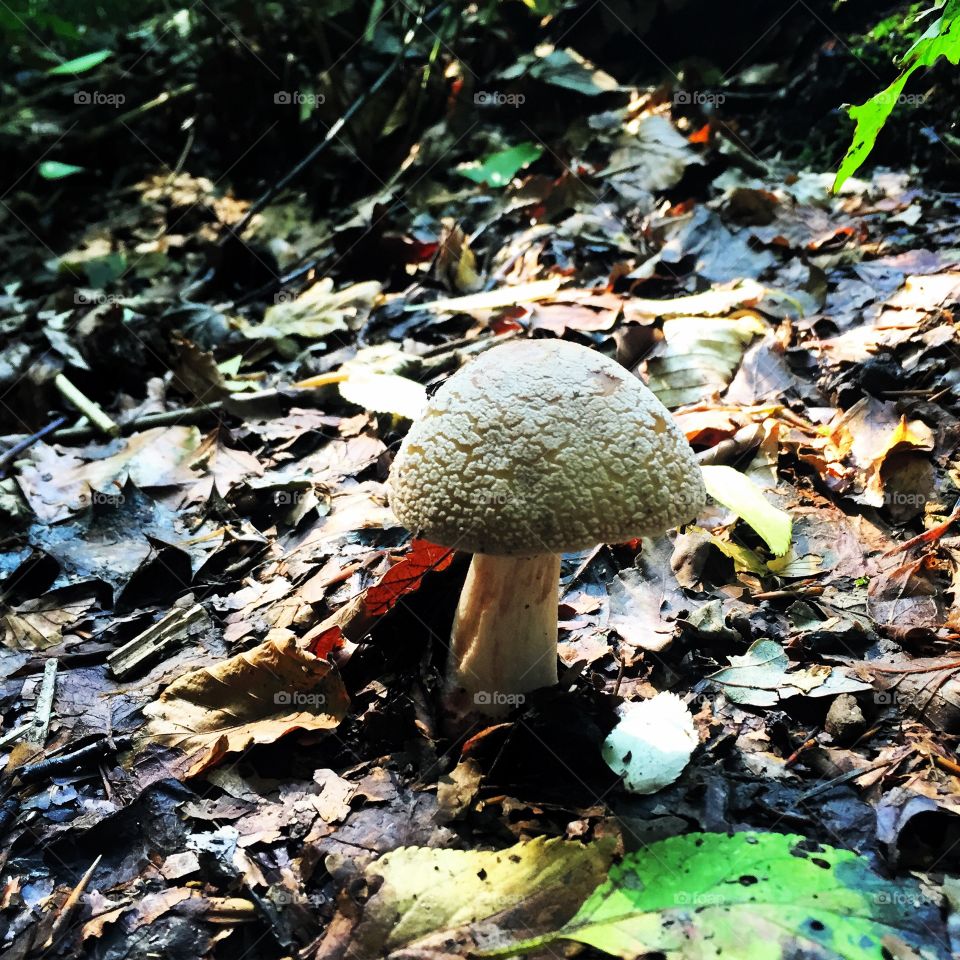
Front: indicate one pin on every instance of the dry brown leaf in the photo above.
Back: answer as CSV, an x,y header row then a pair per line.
x,y
255,697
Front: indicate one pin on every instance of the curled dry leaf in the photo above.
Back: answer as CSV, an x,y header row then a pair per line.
x,y
255,697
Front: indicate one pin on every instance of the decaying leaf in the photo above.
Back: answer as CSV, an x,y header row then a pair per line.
x,y
254,697
317,312
434,899
651,745
699,356
761,678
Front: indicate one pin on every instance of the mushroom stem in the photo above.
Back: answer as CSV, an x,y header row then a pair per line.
x,y
504,640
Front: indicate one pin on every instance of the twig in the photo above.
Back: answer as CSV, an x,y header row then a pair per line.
x,y
91,410
10,455
188,416
843,778
70,905
15,734
69,762
137,111
935,533
156,641
41,719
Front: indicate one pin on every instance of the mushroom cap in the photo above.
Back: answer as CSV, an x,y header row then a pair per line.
x,y
543,446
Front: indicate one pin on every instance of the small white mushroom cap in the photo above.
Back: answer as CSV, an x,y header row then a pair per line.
x,y
543,446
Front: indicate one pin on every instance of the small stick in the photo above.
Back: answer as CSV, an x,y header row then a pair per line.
x,y
10,455
808,744
814,590
91,410
70,904
188,416
41,719
843,778
935,533
68,762
945,763
156,641
15,734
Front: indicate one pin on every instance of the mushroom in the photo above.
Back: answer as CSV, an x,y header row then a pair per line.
x,y
536,448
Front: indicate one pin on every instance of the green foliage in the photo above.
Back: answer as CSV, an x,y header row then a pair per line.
x,y
54,170
80,64
749,896
498,169
737,492
942,39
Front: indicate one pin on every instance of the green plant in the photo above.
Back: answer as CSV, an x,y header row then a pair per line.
x,y
941,39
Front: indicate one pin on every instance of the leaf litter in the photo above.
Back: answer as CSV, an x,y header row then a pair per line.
x,y
273,770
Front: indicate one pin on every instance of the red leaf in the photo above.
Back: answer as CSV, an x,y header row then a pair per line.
x,y
405,576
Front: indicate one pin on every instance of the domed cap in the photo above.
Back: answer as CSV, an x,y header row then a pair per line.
x,y
543,446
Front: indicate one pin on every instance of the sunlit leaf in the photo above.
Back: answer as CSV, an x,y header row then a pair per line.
x,y
942,39
498,169
737,492
55,170
80,64
753,896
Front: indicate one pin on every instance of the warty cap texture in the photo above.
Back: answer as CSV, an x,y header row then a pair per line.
x,y
543,446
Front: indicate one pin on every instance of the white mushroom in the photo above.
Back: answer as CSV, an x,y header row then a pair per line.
x,y
536,448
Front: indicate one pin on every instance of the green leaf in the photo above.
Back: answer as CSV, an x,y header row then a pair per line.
x,y
80,64
498,169
737,492
942,39
55,170
751,897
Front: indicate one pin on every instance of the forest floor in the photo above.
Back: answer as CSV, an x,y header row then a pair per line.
x,y
228,787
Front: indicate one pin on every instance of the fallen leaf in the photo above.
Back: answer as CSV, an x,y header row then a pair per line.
x,y
756,896
760,678
651,745
698,357
255,697
737,492
432,898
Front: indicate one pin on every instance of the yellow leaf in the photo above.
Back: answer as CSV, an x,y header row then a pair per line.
x,y
737,492
430,897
